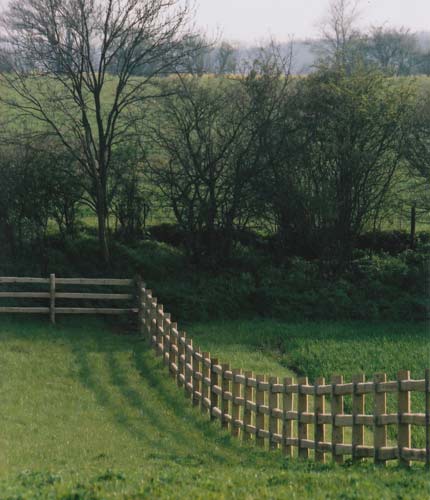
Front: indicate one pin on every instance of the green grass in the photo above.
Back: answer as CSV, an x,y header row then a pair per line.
x,y
323,349
320,348
87,412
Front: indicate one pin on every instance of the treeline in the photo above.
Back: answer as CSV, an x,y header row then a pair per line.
x,y
393,51
312,162
309,163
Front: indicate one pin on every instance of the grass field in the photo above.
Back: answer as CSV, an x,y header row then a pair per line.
x,y
87,412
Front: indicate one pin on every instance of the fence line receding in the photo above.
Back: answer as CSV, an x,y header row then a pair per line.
x,y
276,413
303,419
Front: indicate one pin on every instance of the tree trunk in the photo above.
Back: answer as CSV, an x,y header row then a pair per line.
x,y
103,240
102,223
413,225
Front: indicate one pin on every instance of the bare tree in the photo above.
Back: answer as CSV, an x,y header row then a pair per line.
x,y
202,162
394,51
72,67
340,33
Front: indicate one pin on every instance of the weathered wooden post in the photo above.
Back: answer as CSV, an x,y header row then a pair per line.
x,y
380,408
404,406
336,409
259,419
52,298
247,413
358,405
303,407
287,423
319,428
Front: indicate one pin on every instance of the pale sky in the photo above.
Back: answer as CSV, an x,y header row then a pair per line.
x,y
254,20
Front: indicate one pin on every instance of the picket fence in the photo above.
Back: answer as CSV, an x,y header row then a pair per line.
x,y
277,414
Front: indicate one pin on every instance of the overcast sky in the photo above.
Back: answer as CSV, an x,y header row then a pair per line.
x,y
254,20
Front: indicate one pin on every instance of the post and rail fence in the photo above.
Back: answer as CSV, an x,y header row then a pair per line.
x,y
50,291
301,418
277,413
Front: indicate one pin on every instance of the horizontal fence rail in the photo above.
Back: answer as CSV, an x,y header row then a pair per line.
x,y
302,419
52,295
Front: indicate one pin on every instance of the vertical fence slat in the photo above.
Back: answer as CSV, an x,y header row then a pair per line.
x,y
189,389
141,297
247,413
358,405
148,316
259,419
196,382
336,409
205,387
380,408
181,355
303,406
235,407
52,298
273,420
214,382
166,338
225,386
319,408
153,322
287,425
173,348
159,330
403,406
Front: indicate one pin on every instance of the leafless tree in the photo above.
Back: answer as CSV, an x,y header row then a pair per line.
x,y
72,67
394,51
339,32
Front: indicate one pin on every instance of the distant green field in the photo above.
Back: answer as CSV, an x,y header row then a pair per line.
x,y
87,412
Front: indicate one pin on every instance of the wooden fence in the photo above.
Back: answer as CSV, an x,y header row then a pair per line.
x,y
52,295
277,413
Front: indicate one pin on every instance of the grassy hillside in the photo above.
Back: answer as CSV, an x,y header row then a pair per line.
x,y
87,412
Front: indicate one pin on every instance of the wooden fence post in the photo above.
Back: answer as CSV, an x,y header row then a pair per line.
x,y
148,316
213,396
181,358
225,386
319,428
52,298
273,419
196,382
235,407
173,358
153,327
167,331
336,409
380,408
160,330
205,387
404,406
189,388
358,405
259,419
287,423
303,407
247,412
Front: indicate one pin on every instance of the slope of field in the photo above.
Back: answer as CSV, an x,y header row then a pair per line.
x,y
87,412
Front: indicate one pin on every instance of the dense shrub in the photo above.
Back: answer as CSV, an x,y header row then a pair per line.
x,y
375,286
